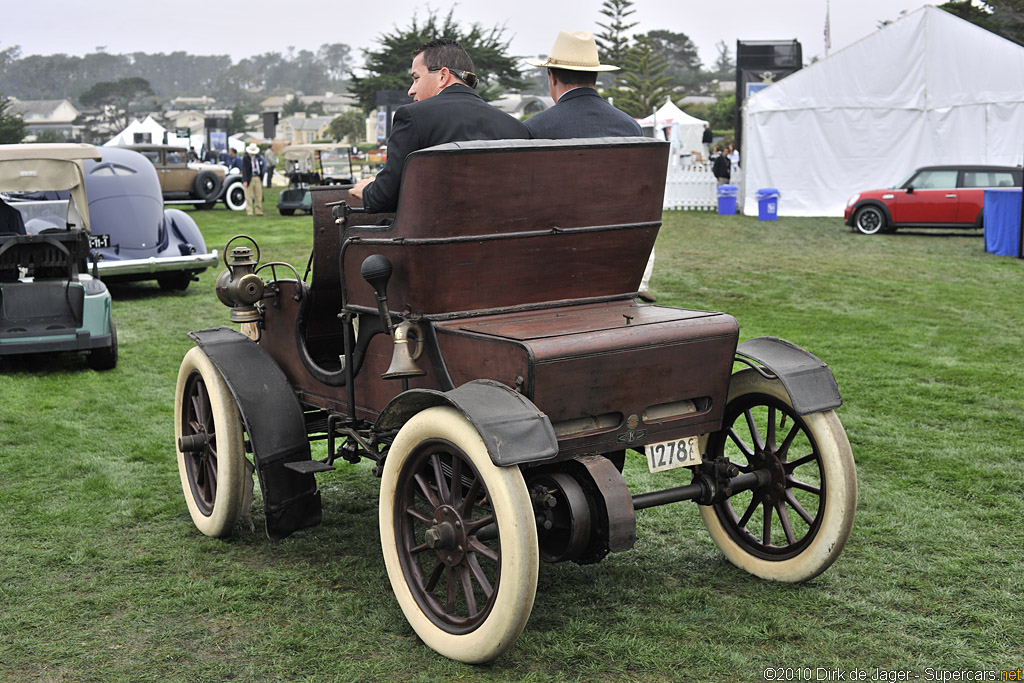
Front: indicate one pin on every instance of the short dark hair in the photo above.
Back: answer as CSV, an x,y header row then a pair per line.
x,y
445,52
573,77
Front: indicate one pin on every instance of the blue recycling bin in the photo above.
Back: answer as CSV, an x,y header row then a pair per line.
x,y
768,204
727,199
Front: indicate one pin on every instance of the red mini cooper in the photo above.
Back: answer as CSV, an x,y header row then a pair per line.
x,y
931,197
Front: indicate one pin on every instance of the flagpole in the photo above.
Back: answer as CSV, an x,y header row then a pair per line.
x,y
828,28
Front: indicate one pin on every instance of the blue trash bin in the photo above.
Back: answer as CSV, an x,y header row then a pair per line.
x,y
768,204
727,199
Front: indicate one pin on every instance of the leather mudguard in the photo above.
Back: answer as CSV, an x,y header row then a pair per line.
x,y
514,430
275,425
808,381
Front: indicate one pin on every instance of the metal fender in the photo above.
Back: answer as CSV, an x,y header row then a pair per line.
x,y
275,425
184,226
810,384
514,430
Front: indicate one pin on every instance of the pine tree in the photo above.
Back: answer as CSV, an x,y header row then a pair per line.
x,y
613,42
12,126
643,83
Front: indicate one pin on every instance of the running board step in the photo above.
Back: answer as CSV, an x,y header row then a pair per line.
x,y
308,466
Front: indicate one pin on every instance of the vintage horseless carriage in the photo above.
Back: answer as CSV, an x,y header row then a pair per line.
x,y
486,350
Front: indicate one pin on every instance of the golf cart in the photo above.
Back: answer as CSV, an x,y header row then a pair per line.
x,y
311,166
485,349
48,300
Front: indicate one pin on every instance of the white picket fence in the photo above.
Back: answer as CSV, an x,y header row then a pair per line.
x,y
691,186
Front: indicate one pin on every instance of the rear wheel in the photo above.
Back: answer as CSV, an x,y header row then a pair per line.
x,y
869,220
286,212
174,282
210,445
234,197
459,538
793,528
105,358
206,186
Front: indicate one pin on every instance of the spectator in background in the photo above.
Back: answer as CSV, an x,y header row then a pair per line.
x,y
271,159
721,167
253,168
233,160
734,157
706,140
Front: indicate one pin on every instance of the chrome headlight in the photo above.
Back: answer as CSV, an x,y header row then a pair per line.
x,y
852,200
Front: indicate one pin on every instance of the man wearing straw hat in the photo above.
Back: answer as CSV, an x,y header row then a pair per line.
x,y
579,112
445,108
253,167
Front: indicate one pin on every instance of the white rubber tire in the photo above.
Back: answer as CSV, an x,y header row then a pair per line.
x,y
230,447
840,476
513,511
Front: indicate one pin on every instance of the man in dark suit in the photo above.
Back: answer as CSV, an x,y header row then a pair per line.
x,y
445,108
253,167
579,111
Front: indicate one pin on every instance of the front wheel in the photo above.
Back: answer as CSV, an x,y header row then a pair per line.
x,y
793,528
869,220
210,446
459,538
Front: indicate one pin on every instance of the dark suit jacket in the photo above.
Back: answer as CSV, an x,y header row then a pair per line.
x,y
455,114
582,113
247,167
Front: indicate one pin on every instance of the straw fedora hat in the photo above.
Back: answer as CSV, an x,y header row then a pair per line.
x,y
253,148
575,52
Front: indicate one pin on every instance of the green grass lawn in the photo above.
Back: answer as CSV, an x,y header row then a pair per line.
x,y
103,577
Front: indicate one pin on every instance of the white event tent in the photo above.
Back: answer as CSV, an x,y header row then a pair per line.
x,y
685,132
929,88
147,126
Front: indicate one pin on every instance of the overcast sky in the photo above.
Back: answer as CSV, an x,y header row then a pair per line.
x,y
249,27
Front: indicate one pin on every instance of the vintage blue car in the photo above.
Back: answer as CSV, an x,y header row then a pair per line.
x,y
133,236
146,241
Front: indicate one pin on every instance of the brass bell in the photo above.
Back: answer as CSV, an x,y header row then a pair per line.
x,y
403,360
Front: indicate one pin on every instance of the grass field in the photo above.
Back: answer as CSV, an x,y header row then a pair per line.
x,y
103,577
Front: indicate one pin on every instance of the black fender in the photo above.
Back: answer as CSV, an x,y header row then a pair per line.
x,y
275,425
870,202
514,430
808,380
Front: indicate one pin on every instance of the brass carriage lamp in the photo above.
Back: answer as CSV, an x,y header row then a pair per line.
x,y
239,287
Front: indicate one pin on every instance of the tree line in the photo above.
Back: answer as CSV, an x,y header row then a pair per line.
x,y
655,66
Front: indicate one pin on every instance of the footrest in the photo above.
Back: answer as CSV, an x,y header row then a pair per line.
x,y
308,466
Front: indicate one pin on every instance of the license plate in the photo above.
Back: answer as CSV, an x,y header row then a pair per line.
x,y
99,241
669,455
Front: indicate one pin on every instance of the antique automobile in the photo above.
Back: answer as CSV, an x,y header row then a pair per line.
x,y
48,301
310,166
485,349
145,240
137,238
199,184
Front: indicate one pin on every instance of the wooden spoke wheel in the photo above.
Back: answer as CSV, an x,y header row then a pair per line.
x,y
459,538
210,446
794,527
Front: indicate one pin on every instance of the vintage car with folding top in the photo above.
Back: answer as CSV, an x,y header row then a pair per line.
x,y
485,348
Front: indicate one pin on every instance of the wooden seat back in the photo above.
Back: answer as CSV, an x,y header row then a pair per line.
x,y
494,224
